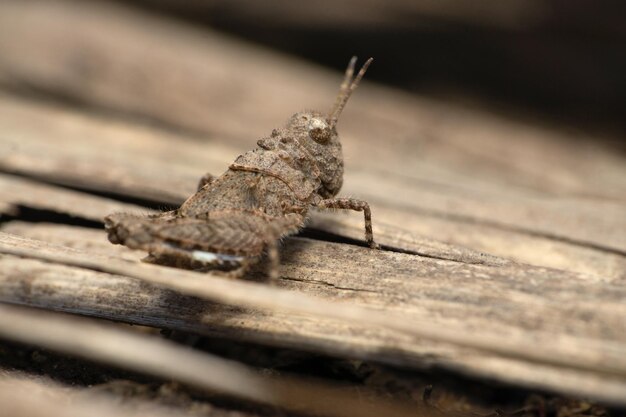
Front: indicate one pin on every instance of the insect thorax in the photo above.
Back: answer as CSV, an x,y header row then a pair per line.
x,y
243,190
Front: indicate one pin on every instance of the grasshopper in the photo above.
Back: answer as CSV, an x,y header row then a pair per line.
x,y
264,195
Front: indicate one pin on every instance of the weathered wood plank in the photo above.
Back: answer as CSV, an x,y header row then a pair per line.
x,y
489,238
99,153
169,360
88,240
7,209
21,396
577,235
246,91
555,314
588,223
16,191
439,177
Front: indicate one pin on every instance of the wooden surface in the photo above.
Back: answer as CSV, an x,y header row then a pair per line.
x,y
22,396
170,360
493,229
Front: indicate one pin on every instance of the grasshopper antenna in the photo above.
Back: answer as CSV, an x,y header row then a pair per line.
x,y
345,91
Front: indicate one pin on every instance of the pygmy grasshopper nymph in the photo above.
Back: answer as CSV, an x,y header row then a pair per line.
x,y
264,196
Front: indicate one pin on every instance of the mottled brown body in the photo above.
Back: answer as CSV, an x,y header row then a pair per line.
x,y
264,195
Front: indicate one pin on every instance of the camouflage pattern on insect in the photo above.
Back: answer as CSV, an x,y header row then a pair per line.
x,y
264,196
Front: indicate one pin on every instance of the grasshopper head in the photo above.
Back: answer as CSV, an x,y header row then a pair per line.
x,y
318,133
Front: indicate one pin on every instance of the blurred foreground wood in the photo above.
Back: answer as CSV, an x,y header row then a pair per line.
x,y
501,233
167,359
22,396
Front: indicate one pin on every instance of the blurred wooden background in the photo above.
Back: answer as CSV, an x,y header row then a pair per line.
x,y
509,232
551,59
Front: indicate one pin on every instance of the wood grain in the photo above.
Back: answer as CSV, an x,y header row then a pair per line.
x,y
220,88
23,396
483,175
572,335
18,191
160,357
504,240
581,235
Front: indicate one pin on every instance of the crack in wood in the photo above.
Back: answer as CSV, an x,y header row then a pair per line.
x,y
326,284
32,211
509,228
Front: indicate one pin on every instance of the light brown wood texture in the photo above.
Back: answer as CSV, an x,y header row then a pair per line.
x,y
514,223
124,61
18,191
441,301
24,396
504,240
467,166
168,359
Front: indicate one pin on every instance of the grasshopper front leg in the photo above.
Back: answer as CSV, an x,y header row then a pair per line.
x,y
356,205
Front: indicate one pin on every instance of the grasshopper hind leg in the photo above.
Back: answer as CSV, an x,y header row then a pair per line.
x,y
229,241
193,260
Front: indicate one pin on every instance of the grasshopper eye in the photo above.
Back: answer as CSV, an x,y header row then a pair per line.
x,y
319,130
